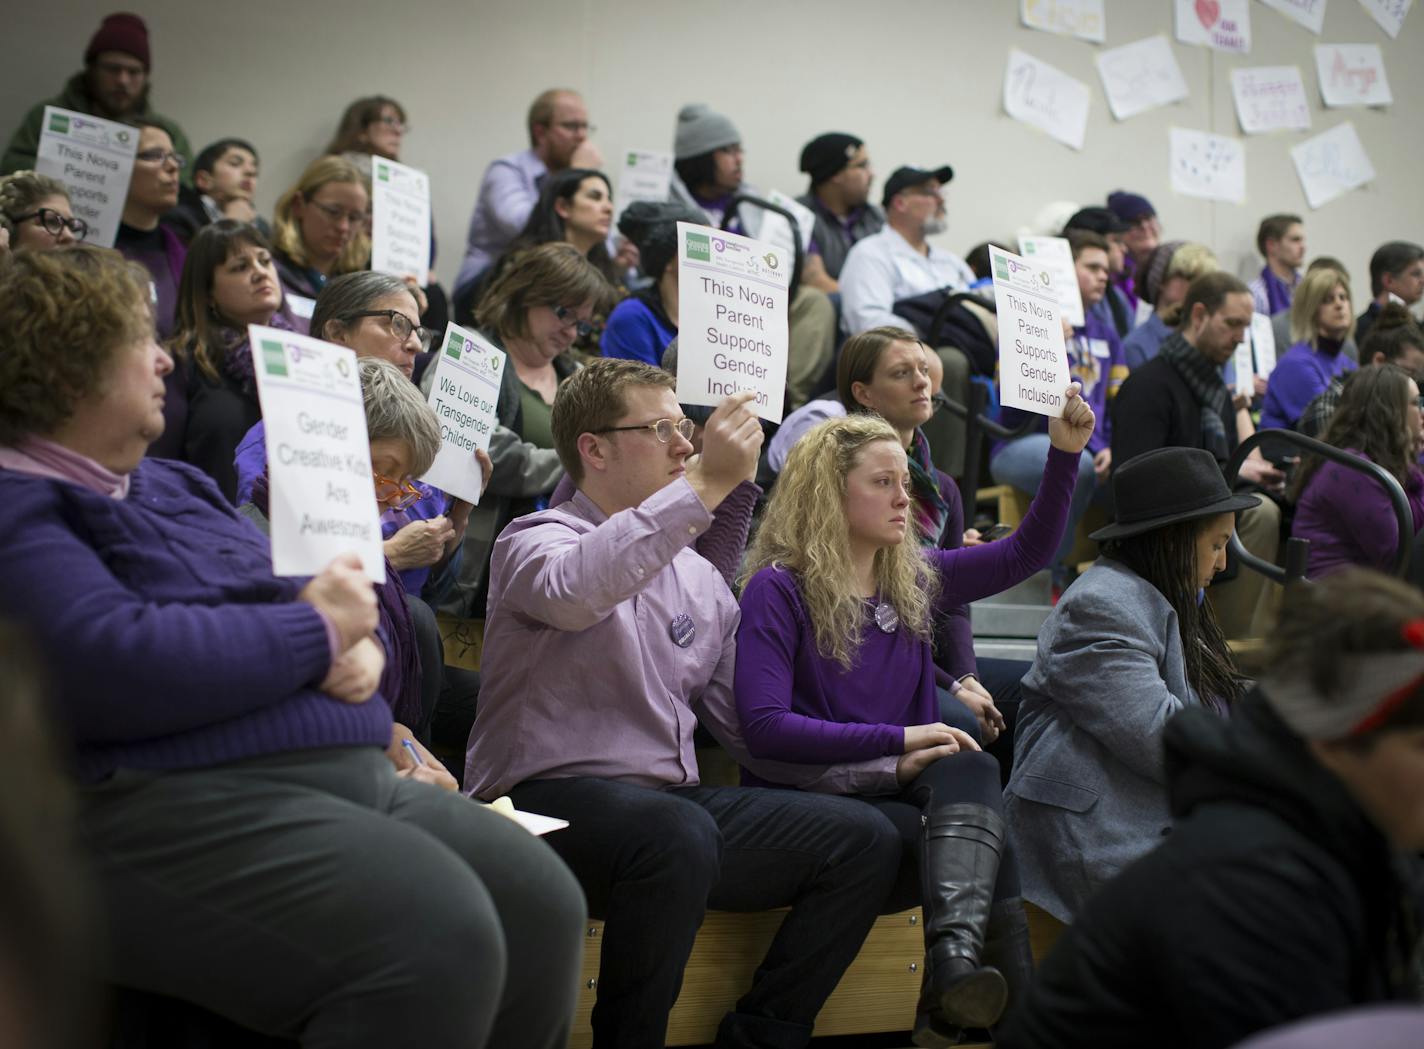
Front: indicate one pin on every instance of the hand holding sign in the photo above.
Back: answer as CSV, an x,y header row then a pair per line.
x,y
356,673
465,396
1070,431
731,443
342,593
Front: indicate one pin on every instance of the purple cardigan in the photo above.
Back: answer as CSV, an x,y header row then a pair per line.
x,y
1349,520
797,705
170,642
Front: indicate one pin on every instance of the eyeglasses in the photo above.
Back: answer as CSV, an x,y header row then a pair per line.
x,y
161,156
573,127
663,429
397,495
54,223
393,122
401,326
566,318
336,213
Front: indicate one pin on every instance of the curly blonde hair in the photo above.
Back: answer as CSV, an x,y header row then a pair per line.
x,y
287,235
805,532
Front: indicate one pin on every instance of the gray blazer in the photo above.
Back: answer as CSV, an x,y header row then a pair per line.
x,y
1088,792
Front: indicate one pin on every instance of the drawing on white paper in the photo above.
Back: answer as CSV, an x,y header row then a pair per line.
x,y
1041,96
1211,167
1083,19
1141,76
1309,13
1331,164
1270,98
1388,13
1352,75
1223,25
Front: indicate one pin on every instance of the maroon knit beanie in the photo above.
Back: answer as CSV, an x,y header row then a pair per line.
x,y
120,32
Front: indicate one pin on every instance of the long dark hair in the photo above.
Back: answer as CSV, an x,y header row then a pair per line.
x,y
1371,418
202,333
360,115
1167,558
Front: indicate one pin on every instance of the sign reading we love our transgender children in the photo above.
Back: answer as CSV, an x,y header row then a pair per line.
x,y
94,159
322,496
733,332
1033,362
464,395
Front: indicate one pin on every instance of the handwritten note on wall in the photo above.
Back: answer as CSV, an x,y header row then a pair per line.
x,y
1309,13
1141,76
1388,13
1270,98
1083,19
1041,96
1212,167
1352,75
1331,164
1223,25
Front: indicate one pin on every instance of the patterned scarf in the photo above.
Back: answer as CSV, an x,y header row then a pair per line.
x,y
1278,292
237,352
1204,380
931,511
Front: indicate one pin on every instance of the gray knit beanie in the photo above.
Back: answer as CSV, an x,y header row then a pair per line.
x,y
699,131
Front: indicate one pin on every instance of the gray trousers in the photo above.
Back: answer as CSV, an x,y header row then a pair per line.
x,y
315,895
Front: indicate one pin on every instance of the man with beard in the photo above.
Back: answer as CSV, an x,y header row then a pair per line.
x,y
839,196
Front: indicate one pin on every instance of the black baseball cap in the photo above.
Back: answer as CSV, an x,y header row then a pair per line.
x,y
1096,220
903,178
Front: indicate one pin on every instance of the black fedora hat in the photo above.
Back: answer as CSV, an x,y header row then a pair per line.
x,y
1165,486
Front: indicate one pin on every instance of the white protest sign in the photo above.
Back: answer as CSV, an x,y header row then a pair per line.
x,y
1270,98
1388,13
1041,96
94,159
1331,164
400,220
1141,76
1309,13
1245,375
776,230
464,393
1033,362
732,324
1055,257
1081,18
645,175
322,496
1263,343
1222,25
1211,167
1352,75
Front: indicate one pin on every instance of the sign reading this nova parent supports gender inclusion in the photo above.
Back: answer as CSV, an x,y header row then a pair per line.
x,y
464,394
732,323
400,219
323,498
1033,362
94,159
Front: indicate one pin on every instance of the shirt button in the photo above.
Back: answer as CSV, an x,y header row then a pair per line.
x,y
691,529
638,571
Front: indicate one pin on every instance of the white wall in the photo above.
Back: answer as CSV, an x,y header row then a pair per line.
x,y
919,80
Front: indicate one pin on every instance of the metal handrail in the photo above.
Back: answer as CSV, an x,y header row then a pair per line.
x,y
1298,549
730,216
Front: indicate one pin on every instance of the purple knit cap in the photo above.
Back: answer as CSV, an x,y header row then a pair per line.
x,y
1129,206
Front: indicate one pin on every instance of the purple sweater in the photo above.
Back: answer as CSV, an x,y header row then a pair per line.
x,y
1349,520
797,705
1300,376
170,642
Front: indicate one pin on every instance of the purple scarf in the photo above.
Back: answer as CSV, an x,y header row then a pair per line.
x,y
237,352
1278,292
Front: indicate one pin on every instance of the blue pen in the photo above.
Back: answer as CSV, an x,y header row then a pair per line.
x,y
410,746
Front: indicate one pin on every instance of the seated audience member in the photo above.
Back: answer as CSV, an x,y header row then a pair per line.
x,y
229,282
1095,362
1129,644
1144,233
558,139
1114,307
899,262
374,315
35,212
1280,322
224,183
203,694
114,85
1394,338
575,207
609,579
1321,316
1163,282
1178,399
834,665
839,195
319,231
153,189
1396,275
1283,891
1281,240
641,327
1348,517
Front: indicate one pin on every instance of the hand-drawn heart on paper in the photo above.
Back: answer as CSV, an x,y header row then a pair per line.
x,y
1208,11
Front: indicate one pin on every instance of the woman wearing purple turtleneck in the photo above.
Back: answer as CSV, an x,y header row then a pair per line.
x,y
834,664
1320,321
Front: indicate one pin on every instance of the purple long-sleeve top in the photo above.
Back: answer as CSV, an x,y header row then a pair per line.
x,y
797,705
1300,376
1350,521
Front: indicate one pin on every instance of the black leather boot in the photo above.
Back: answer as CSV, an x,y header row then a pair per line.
x,y
1007,947
958,867
932,1030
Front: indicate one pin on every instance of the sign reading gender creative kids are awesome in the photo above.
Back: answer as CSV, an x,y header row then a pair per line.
x,y
94,159
400,219
1033,362
464,393
322,496
732,323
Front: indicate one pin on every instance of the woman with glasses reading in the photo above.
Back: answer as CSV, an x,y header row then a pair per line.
x,y
319,230
35,211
